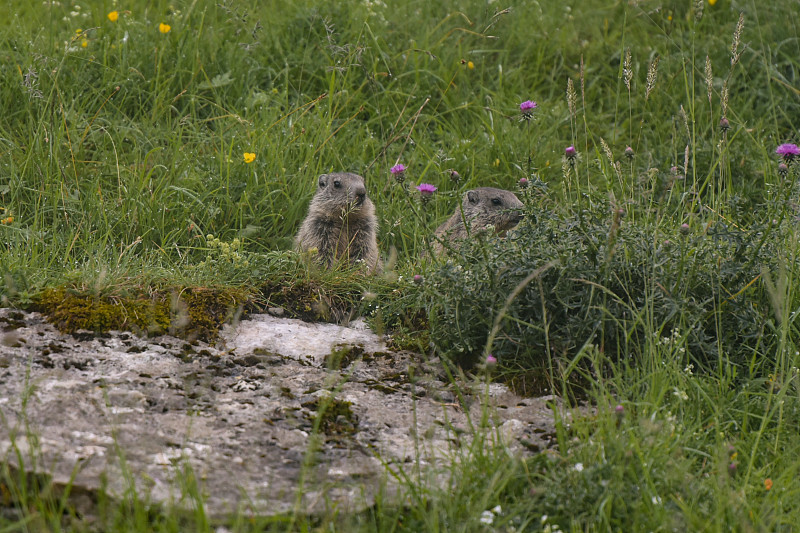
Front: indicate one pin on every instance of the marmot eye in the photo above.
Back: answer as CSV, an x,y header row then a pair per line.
x,y
337,184
496,201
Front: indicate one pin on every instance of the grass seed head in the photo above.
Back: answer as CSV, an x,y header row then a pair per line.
x,y
652,71
737,36
572,98
627,69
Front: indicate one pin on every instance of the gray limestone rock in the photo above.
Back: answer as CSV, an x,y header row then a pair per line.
x,y
246,415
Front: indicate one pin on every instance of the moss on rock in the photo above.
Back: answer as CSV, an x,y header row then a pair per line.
x,y
311,301
193,314
336,417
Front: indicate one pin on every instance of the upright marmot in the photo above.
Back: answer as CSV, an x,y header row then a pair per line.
x,y
341,223
481,207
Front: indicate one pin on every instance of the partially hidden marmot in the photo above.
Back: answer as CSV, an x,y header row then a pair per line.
x,y
341,223
481,207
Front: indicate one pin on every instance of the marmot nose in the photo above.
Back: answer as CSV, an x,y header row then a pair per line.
x,y
360,196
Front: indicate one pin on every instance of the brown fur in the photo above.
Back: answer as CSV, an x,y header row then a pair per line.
x,y
480,208
341,223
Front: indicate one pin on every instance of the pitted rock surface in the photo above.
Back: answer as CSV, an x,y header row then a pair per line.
x,y
252,415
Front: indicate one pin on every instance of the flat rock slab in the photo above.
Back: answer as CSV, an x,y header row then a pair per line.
x,y
307,342
250,417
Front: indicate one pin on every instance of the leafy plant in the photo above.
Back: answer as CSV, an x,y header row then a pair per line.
x,y
600,280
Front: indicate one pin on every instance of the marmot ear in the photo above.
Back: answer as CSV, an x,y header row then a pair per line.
x,y
323,180
473,197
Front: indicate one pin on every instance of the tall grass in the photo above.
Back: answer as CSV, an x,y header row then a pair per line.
x,y
122,149
141,135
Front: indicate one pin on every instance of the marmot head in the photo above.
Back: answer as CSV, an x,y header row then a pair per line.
x,y
486,205
343,190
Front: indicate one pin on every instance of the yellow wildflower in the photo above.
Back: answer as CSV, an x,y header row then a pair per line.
x,y
7,220
768,484
84,43
78,31
164,28
712,2
113,16
249,157
470,65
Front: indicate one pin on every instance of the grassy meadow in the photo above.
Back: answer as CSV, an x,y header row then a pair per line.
x,y
154,147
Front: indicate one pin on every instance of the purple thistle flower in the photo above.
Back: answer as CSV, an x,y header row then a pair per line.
x,y
491,360
523,183
526,108
399,168
426,191
788,151
724,124
571,153
399,172
783,170
685,228
629,152
417,278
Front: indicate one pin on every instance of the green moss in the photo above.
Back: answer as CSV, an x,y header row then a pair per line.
x,y
413,341
70,311
208,310
342,356
336,418
310,301
193,314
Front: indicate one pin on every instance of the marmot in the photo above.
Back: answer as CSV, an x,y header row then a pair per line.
x,y
341,222
481,207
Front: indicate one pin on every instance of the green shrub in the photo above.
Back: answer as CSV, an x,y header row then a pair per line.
x,y
596,279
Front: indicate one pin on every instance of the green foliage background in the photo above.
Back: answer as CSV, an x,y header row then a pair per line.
x,y
122,149
141,135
